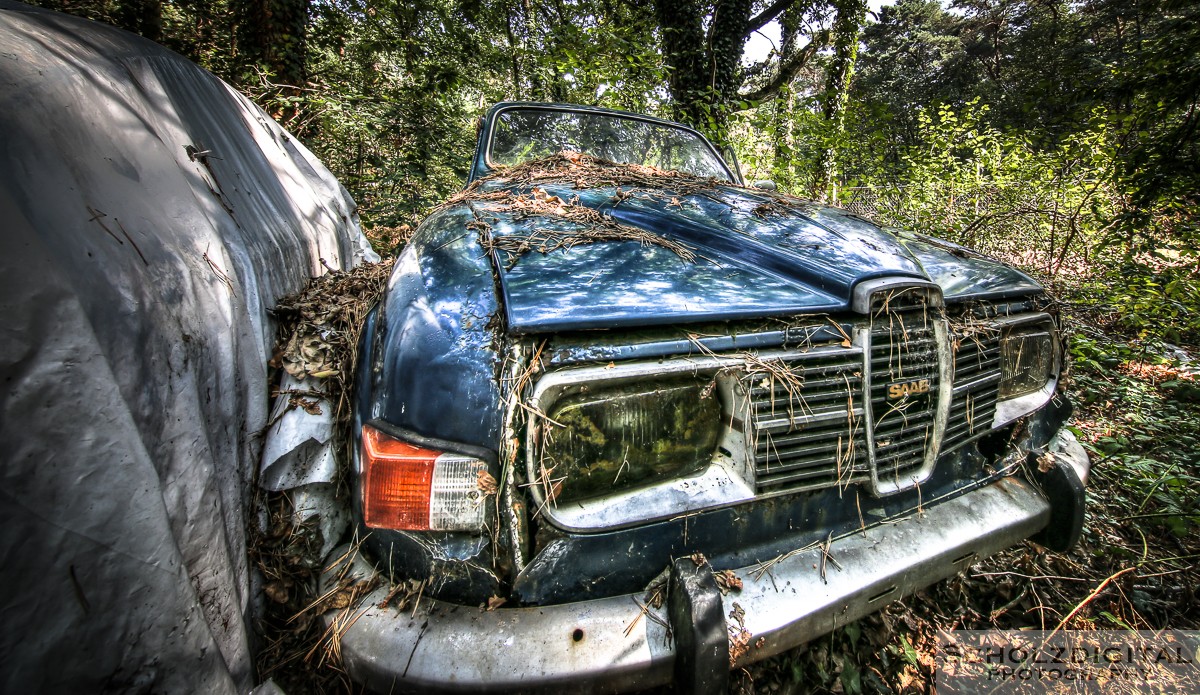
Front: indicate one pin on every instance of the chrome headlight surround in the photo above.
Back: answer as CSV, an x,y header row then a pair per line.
x,y
1031,361
724,480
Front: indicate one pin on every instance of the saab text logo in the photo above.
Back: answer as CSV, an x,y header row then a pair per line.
x,y
900,389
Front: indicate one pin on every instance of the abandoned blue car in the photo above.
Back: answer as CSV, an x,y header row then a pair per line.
x,y
628,421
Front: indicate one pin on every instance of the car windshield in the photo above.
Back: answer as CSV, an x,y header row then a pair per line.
x,y
522,134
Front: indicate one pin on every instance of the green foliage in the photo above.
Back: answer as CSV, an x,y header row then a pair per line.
x,y
1140,412
606,61
1060,136
915,59
391,103
971,183
272,39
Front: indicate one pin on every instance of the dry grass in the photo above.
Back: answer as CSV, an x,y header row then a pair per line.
x,y
571,225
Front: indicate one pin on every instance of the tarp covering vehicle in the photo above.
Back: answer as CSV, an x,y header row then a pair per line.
x,y
149,217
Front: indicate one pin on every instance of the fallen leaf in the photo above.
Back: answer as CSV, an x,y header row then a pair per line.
x,y
277,591
311,407
485,482
738,614
727,581
739,643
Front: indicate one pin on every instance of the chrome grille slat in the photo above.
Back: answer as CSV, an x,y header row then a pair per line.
x,y
976,380
773,462
811,402
899,428
802,434
786,423
793,439
903,350
805,480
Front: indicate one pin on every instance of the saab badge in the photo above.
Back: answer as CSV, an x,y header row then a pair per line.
x,y
900,389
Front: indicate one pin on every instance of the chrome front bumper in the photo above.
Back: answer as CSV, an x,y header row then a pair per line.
x,y
608,644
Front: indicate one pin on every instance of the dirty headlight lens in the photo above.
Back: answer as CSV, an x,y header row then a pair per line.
x,y
1026,360
611,438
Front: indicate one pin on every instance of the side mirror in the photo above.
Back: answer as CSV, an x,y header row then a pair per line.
x,y
764,184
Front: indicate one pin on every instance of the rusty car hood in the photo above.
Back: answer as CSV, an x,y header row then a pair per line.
x,y
756,254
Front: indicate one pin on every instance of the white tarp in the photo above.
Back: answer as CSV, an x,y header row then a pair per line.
x,y
149,215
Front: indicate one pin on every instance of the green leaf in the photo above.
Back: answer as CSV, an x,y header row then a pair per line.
x,y
851,679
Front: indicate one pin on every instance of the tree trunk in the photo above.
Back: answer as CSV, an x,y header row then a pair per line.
x,y
783,162
846,28
142,17
682,38
705,71
272,36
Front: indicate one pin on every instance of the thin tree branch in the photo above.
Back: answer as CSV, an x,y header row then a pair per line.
x,y
1087,600
764,18
789,68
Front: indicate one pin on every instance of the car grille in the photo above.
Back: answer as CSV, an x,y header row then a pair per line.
x,y
807,430
903,354
867,406
811,431
976,353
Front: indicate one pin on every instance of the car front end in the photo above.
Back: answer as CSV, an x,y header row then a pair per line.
x,y
622,426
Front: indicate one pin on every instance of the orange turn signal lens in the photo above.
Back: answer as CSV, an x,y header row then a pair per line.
x,y
398,476
411,488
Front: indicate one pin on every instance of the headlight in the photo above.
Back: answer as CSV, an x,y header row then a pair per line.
x,y
1027,359
618,437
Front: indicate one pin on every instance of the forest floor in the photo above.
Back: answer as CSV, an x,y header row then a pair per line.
x,y
1138,415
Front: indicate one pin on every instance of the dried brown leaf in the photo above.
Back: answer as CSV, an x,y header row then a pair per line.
x,y
277,590
727,581
485,482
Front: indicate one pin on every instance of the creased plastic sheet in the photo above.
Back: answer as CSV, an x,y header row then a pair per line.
x,y
149,216
298,445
